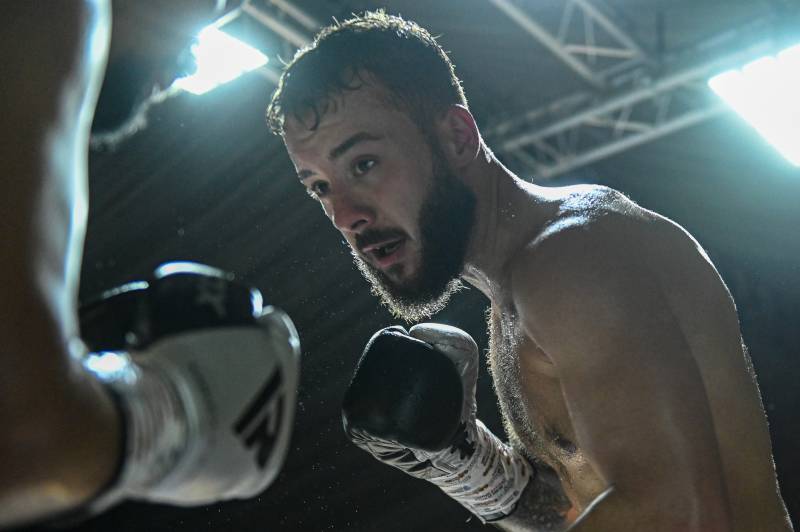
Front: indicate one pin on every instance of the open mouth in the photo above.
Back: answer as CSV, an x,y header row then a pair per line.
x,y
385,253
386,250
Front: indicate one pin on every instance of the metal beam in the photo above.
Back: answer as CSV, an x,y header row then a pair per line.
x,y
600,129
601,19
642,136
273,23
648,92
269,74
600,37
548,40
296,13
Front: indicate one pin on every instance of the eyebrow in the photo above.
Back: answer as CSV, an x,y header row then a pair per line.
x,y
341,149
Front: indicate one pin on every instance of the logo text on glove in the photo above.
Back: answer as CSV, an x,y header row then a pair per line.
x,y
259,423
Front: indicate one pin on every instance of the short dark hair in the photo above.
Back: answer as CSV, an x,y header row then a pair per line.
x,y
397,53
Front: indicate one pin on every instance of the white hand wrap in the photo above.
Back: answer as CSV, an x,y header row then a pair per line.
x,y
490,481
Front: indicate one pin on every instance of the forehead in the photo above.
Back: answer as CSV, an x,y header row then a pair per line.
x,y
367,109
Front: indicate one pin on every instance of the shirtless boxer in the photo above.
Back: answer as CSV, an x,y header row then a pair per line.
x,y
627,395
188,394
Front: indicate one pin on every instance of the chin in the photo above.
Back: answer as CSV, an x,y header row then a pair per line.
x,y
412,297
400,275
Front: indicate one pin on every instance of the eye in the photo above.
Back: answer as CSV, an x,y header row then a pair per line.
x,y
362,166
318,189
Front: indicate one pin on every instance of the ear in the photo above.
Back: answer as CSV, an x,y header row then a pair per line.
x,y
459,137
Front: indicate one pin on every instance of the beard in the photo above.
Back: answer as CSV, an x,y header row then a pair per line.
x,y
446,221
126,96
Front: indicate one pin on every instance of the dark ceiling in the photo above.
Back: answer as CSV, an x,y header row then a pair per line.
x,y
207,182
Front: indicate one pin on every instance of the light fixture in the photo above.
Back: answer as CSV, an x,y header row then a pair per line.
x,y
220,58
766,93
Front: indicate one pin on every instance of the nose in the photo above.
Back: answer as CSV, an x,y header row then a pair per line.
x,y
350,215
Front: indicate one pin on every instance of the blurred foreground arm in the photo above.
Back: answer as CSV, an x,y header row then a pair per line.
x,y
54,55
188,395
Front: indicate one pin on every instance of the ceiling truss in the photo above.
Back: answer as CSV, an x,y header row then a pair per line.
x,y
628,103
630,98
583,37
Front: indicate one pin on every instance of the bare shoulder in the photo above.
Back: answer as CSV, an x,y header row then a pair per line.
x,y
583,208
592,222
603,254
596,224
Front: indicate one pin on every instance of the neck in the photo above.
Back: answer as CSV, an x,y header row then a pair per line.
x,y
509,213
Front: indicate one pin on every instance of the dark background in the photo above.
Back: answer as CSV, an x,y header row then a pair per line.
x,y
207,182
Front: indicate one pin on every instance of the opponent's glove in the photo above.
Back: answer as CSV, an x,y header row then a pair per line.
x,y
411,404
205,379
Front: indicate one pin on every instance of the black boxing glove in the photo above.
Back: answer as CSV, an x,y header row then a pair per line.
x,y
411,404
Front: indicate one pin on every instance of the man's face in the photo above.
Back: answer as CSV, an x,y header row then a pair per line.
x,y
149,49
388,189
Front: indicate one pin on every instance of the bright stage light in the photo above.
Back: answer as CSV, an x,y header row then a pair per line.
x,y
766,93
220,58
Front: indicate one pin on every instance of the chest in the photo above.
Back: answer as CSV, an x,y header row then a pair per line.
x,y
527,384
534,411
